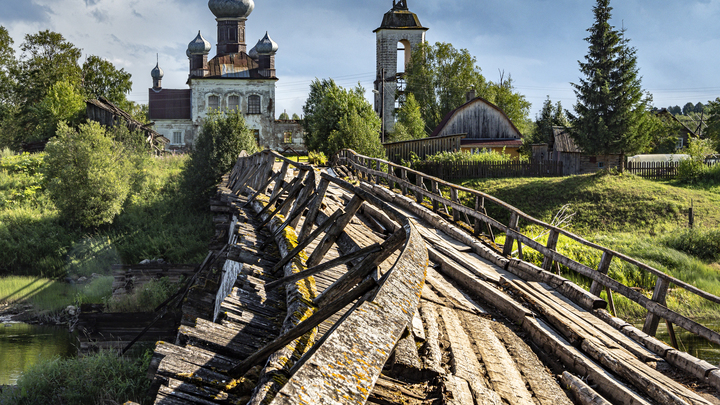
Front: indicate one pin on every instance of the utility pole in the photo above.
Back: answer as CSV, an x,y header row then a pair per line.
x,y
382,105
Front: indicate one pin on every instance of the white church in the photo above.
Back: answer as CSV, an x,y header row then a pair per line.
x,y
234,79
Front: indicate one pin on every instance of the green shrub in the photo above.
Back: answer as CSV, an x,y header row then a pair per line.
x,y
146,297
95,379
222,138
88,175
690,170
317,158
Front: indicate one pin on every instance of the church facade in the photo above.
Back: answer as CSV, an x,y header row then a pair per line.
x,y
235,79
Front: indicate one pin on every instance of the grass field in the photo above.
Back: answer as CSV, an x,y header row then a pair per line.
x,y
644,219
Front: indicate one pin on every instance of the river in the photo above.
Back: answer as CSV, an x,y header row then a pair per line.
x,y
23,345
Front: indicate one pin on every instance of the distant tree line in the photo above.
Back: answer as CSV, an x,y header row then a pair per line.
x,y
688,109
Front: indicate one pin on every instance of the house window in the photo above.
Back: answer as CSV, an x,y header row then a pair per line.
x,y
177,138
287,137
601,165
233,103
593,159
680,143
254,104
213,103
257,135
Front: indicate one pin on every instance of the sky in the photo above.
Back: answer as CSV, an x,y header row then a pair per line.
x,y
537,42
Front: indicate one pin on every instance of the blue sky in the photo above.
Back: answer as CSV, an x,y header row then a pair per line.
x,y
538,42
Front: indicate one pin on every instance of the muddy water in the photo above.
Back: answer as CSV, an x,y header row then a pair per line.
x,y
23,345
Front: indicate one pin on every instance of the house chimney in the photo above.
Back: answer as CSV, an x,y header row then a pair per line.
x,y
470,96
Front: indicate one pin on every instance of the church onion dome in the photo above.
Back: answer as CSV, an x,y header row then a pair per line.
x,y
199,46
231,8
157,73
266,46
253,53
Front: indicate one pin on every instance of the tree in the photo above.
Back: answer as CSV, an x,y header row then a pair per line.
x,y
439,76
62,103
296,117
410,124
699,108
337,118
284,116
88,175
610,104
688,108
713,128
7,62
222,137
47,58
676,110
550,116
100,78
514,104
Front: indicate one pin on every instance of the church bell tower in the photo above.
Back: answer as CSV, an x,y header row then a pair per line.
x,y
400,31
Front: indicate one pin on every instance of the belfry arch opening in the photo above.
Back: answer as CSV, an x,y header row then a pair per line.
x,y
404,52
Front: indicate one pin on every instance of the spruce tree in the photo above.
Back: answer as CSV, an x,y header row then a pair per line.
x,y
610,106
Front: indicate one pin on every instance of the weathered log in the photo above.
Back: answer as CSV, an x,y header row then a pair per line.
x,y
582,392
433,355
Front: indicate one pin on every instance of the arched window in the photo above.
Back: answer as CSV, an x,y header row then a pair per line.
x,y
254,104
404,53
213,103
233,103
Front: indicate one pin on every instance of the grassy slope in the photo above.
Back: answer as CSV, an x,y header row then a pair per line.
x,y
626,213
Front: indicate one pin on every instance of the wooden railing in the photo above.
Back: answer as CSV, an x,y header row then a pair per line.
x,y
385,301
399,151
484,170
396,177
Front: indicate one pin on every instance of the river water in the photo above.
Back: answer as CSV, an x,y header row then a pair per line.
x,y
690,343
23,345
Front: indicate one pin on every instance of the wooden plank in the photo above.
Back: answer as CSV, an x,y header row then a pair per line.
x,y
457,297
582,392
433,357
504,376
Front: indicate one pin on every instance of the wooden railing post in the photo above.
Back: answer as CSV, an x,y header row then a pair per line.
x,y
435,190
454,198
281,180
391,174
314,209
552,245
403,185
513,224
332,235
603,268
476,227
419,183
652,320
377,169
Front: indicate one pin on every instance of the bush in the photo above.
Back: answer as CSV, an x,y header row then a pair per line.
x,y
89,175
145,298
692,169
222,138
96,379
317,158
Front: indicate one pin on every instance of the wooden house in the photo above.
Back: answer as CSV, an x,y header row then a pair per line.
x,y
110,115
575,161
486,127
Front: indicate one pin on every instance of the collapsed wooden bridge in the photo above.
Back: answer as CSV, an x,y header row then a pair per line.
x,y
324,291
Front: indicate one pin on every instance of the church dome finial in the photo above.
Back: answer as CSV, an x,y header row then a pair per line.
x,y
157,73
266,45
199,46
231,8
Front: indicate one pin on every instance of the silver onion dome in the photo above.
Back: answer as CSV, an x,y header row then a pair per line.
x,y
231,8
199,46
253,53
157,73
266,46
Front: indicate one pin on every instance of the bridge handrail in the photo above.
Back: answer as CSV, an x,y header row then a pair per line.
x,y
655,306
390,308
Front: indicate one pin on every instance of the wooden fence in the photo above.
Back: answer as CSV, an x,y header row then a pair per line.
x,y
395,176
655,170
474,170
399,151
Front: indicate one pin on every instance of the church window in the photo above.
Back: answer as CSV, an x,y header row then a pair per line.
x,y
256,132
254,104
213,103
177,138
287,137
233,103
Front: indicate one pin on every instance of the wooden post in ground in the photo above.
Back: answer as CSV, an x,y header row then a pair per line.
x,y
334,233
652,320
552,245
513,224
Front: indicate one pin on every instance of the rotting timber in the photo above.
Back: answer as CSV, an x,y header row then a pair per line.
x,y
322,291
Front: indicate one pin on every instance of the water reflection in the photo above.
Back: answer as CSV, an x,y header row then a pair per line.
x,y
23,345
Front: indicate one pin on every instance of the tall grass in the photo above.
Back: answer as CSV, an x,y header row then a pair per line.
x,y
48,296
102,378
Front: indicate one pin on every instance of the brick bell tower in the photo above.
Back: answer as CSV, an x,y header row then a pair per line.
x,y
400,31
